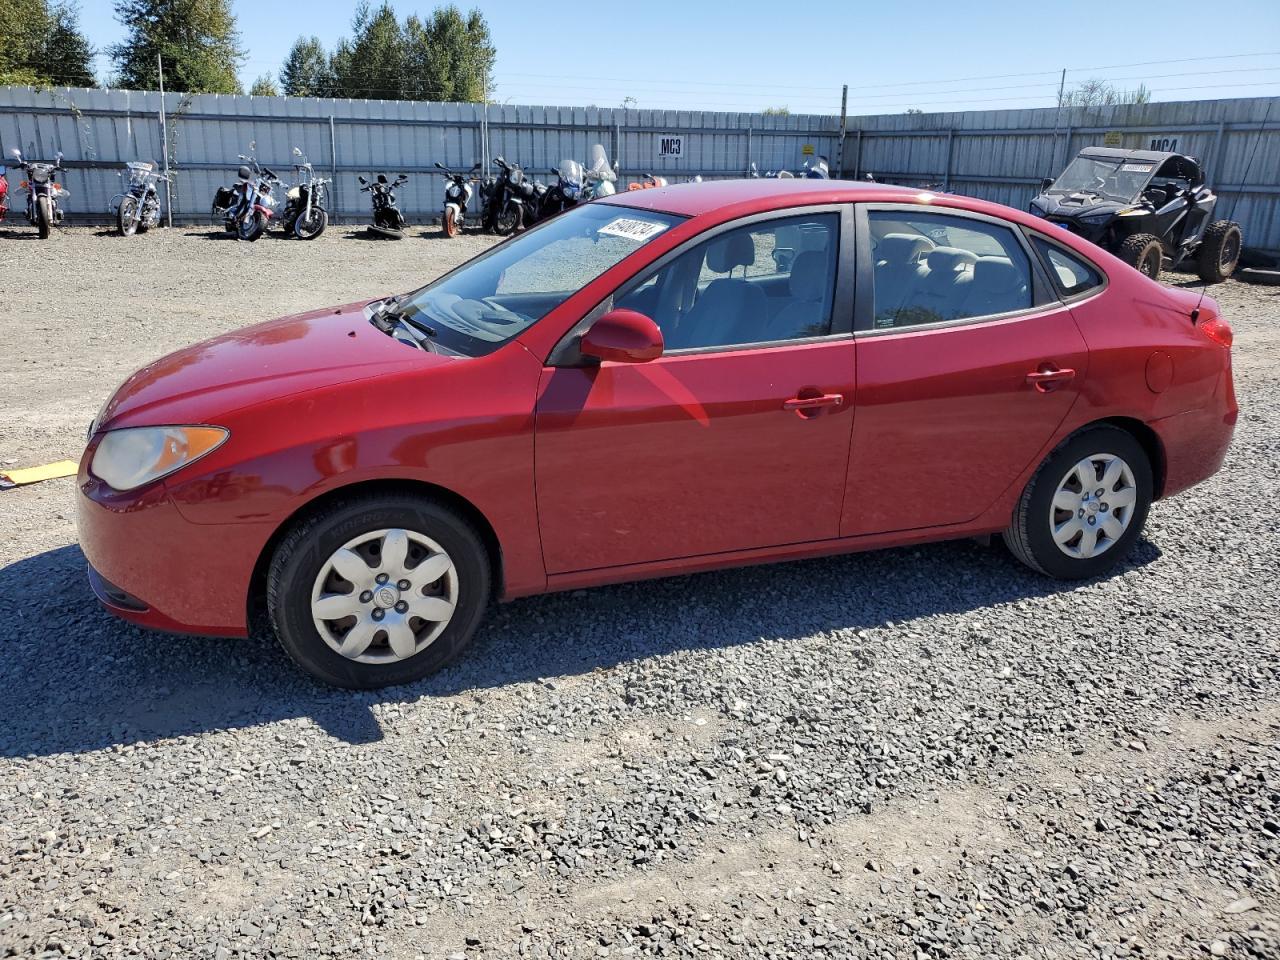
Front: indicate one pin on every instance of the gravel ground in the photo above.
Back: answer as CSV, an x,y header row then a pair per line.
x,y
915,753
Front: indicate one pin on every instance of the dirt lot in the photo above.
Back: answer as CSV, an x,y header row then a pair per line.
x,y
914,753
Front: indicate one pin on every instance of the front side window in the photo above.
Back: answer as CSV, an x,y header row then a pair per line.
x,y
762,283
932,268
1073,275
495,297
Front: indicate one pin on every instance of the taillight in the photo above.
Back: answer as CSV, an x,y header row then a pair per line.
x,y
24,184
1217,330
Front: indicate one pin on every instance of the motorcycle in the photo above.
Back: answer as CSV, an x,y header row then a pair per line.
x,y
566,192
388,221
647,182
511,200
43,192
817,169
138,210
600,177
4,195
305,212
247,207
457,196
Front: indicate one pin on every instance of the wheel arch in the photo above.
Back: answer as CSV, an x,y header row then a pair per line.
x,y
1150,442
256,600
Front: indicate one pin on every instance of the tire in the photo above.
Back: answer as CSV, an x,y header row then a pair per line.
x,y
252,228
1143,252
448,224
307,552
305,229
1219,251
126,221
44,217
1030,537
508,220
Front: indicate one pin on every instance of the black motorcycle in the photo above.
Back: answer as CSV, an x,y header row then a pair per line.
x,y
511,200
388,221
43,192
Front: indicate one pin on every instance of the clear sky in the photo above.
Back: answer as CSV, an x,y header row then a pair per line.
x,y
926,54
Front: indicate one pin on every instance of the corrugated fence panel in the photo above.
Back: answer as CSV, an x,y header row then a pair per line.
x,y
1000,155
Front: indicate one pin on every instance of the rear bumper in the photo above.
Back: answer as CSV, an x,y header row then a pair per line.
x,y
150,566
1195,443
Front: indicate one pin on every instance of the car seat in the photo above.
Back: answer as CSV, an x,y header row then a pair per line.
x,y
730,310
943,290
808,312
997,287
899,271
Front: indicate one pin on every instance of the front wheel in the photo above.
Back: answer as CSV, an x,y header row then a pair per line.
x,y
44,217
127,217
309,227
449,222
1143,252
508,220
1219,251
251,226
1084,508
378,590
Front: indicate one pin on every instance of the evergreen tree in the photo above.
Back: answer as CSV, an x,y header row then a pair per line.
x,y
41,43
371,65
448,57
306,71
196,39
264,86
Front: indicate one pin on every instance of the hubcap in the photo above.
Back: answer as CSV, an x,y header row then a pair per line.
x,y
1093,506
384,596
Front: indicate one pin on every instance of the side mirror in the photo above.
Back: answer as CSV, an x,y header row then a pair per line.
x,y
1046,183
623,336
439,165
253,146
362,180
297,152
57,157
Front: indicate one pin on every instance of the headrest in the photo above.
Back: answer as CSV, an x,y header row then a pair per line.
x,y
808,276
735,250
903,247
997,274
949,259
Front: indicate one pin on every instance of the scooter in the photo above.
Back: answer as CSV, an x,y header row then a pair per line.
x,y
457,197
388,221
43,192
305,212
138,210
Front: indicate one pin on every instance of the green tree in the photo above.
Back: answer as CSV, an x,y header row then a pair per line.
x,y
264,86
371,64
41,43
196,39
448,56
306,71
1100,93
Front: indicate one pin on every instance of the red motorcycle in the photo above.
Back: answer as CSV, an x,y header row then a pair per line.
x,y
4,195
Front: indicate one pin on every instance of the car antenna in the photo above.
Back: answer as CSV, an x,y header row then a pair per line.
x,y
1195,312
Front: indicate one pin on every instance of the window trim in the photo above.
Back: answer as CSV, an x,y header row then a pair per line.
x,y
1052,274
1043,294
566,352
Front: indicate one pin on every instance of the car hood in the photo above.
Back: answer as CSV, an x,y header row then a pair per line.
x,y
279,358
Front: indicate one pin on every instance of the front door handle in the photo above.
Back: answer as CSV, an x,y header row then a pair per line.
x,y
803,405
1050,378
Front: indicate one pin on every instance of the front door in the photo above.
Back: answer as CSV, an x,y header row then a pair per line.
x,y
738,436
962,378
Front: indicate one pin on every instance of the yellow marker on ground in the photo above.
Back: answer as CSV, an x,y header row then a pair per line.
x,y
50,471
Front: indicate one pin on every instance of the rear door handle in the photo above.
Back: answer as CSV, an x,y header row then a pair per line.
x,y
1049,378
801,404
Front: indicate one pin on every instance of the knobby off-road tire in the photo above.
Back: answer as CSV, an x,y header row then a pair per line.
x,y
305,576
1056,503
1219,251
1143,252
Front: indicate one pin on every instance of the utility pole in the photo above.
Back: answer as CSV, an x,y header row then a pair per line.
x,y
1057,117
164,147
844,120
484,124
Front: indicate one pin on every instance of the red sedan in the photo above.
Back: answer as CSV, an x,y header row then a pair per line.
x,y
667,381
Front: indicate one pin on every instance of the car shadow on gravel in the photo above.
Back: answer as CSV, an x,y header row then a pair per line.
x,y
76,679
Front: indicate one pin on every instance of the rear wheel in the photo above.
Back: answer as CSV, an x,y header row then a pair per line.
x,y
126,217
378,590
44,217
1084,508
1219,251
1143,252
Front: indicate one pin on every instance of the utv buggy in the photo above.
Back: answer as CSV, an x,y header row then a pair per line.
x,y
1146,208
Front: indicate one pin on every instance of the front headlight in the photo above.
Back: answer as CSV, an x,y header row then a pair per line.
x,y
128,458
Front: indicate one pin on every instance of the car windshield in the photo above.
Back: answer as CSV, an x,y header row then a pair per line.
x,y
1118,179
485,303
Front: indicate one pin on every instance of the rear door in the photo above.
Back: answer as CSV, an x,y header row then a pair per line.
x,y
967,365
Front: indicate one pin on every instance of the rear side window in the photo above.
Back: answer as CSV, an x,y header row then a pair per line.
x,y
931,268
1072,275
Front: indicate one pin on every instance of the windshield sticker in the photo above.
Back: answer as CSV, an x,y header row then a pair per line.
x,y
640,231
1136,168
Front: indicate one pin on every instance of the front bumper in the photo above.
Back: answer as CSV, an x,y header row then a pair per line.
x,y
151,566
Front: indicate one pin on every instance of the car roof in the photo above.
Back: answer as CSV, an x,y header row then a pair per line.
x,y
694,199
1119,153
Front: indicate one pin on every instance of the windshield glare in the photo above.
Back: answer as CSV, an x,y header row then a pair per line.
x,y
1119,180
492,299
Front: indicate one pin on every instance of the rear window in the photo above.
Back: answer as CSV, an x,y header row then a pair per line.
x,y
1072,274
